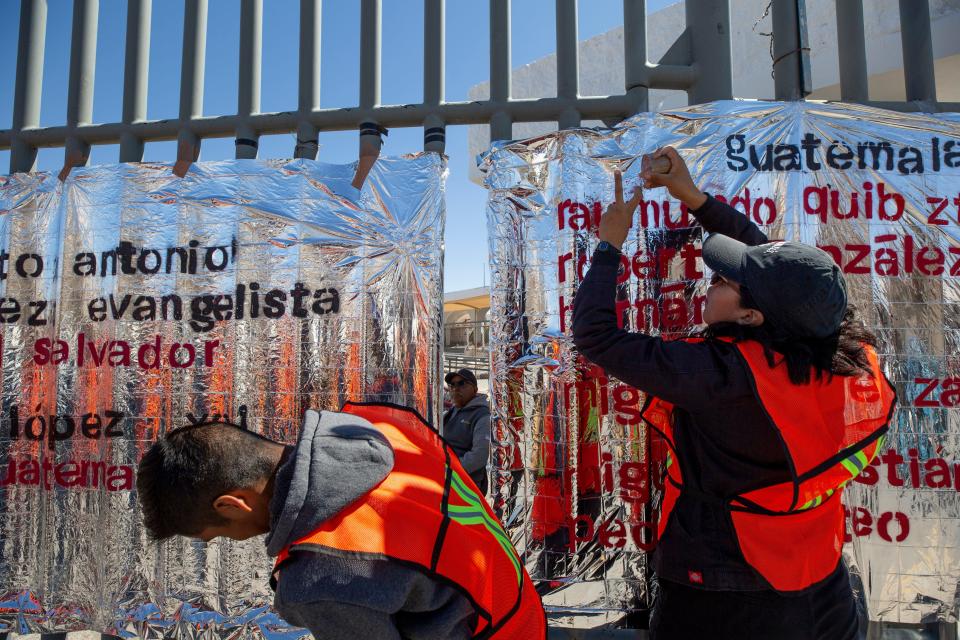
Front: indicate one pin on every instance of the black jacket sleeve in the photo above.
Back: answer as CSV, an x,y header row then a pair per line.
x,y
694,376
719,217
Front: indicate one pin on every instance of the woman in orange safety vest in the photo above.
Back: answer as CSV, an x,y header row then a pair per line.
x,y
777,405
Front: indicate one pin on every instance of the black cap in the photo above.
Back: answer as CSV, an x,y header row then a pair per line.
x,y
798,287
466,374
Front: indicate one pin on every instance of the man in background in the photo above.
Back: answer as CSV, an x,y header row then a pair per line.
x,y
466,425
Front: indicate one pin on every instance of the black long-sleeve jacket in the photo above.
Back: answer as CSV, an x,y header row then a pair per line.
x,y
725,441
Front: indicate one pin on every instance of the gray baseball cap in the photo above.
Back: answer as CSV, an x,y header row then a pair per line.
x,y
798,287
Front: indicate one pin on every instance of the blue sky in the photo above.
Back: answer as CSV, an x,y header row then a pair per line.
x,y
467,63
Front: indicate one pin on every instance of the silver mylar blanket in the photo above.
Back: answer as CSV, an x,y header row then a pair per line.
x,y
879,190
134,302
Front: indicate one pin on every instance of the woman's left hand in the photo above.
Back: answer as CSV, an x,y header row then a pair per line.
x,y
615,223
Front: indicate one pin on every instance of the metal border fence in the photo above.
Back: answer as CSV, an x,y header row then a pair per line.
x,y
699,62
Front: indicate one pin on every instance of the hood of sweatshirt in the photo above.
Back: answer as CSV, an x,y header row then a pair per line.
x,y
338,458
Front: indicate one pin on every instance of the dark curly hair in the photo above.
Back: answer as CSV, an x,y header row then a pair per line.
x,y
841,354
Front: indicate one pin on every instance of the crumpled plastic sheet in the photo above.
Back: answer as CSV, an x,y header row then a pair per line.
x,y
576,474
117,243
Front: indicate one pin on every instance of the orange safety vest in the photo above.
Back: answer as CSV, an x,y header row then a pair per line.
x,y
427,513
792,532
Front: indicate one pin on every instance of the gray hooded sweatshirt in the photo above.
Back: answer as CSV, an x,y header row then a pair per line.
x,y
339,458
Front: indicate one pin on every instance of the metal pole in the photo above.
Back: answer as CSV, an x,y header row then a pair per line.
x,y
568,60
191,74
635,53
852,51
370,39
311,12
709,24
457,113
83,62
917,42
501,123
434,43
371,15
248,94
136,69
29,82
434,53
194,54
789,27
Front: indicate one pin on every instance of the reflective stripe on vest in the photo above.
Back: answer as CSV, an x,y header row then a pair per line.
x,y
831,429
428,513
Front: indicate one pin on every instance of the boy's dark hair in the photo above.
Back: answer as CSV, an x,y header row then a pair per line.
x,y
185,471
841,354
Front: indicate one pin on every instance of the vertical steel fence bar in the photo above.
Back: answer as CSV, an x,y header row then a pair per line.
x,y
29,82
635,53
709,24
568,61
371,16
917,42
787,54
852,51
248,93
501,123
83,63
434,61
311,15
370,42
136,68
191,75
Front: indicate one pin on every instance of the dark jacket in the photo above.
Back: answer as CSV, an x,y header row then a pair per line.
x,y
467,431
340,457
725,442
